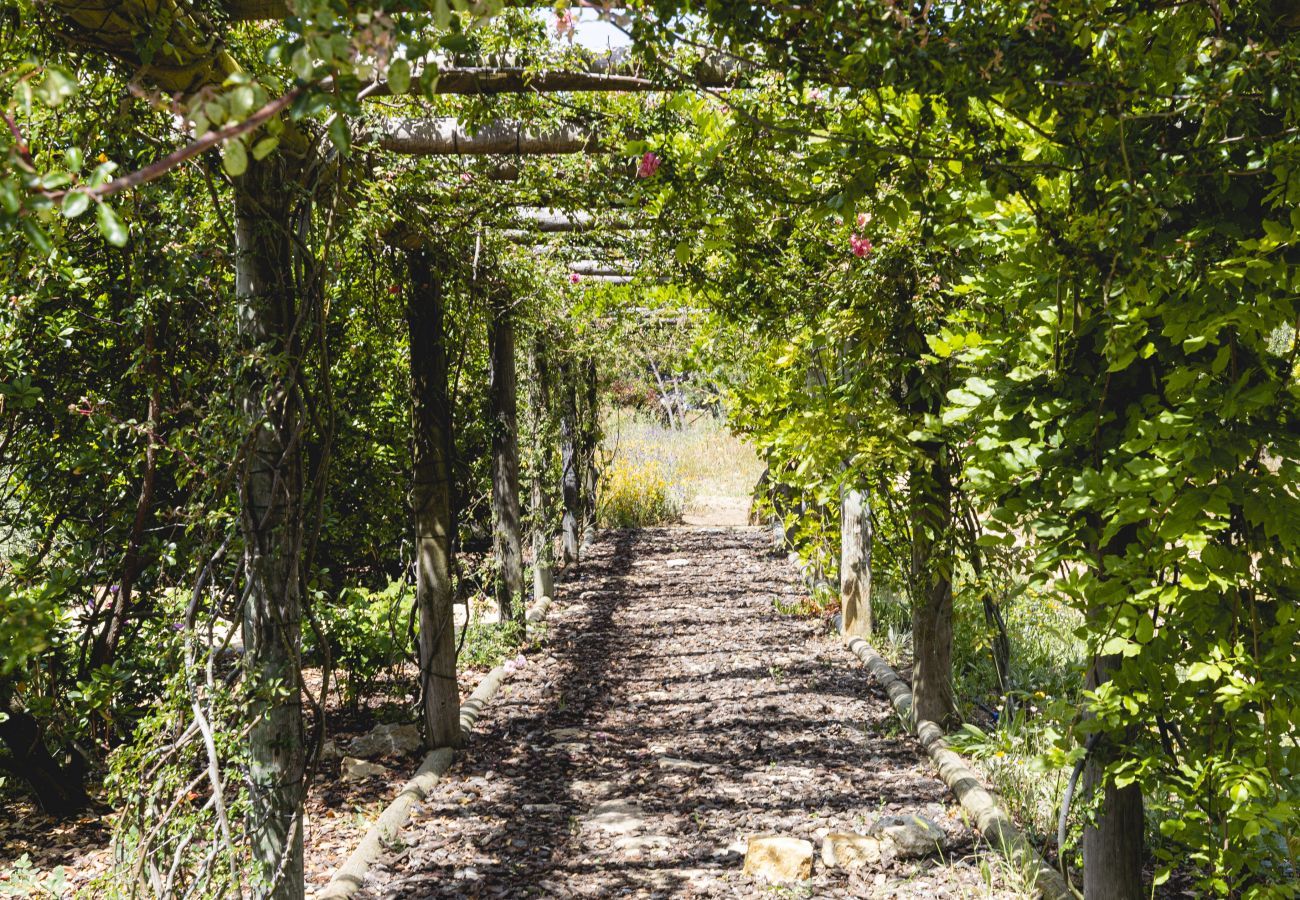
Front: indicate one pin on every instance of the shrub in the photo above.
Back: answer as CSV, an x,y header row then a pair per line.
x,y
488,644
367,633
637,491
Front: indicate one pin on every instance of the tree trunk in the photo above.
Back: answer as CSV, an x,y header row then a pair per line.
x,y
270,492
543,555
505,460
1112,840
431,498
58,789
930,489
105,649
569,465
855,563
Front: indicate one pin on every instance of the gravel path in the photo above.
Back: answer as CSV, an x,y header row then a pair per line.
x,y
674,713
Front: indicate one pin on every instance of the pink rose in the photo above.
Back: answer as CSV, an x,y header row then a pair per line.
x,y
863,219
574,278
649,165
564,23
859,245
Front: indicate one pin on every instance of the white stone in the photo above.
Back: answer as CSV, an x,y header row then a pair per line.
x,y
672,764
636,844
779,859
912,835
847,850
615,817
387,740
358,769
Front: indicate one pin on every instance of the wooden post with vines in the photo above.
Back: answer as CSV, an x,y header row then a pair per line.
x,y
431,499
855,562
271,499
543,463
503,401
569,464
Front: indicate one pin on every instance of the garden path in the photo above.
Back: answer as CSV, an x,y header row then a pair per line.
x,y
676,709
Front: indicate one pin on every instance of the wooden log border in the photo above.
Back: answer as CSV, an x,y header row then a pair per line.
x,y
990,820
349,877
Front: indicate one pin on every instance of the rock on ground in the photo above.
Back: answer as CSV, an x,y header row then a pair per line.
x,y
912,835
850,850
387,740
353,769
779,859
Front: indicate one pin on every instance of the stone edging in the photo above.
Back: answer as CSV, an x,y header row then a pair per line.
x,y
348,878
994,824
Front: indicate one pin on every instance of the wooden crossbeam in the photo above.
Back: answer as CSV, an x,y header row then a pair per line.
x,y
446,137
484,81
254,10
547,221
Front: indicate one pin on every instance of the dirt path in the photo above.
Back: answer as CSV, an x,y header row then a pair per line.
x,y
674,713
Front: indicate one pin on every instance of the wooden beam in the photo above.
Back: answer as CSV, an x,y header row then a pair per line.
x,y
446,137
254,10
476,81
534,221
597,267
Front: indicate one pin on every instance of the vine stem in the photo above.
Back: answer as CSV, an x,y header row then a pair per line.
x,y
156,170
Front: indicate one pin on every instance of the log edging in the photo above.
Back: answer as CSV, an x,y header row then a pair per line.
x,y
990,820
349,877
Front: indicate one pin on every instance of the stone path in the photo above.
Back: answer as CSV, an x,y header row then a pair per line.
x,y
676,712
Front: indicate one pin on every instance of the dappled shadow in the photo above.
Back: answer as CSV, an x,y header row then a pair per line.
x,y
669,685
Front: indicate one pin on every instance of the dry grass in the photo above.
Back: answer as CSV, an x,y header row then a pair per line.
x,y
711,472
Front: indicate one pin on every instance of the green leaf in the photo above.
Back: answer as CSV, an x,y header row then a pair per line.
x,y
111,226
263,148
399,76
75,203
339,135
40,240
235,159
57,85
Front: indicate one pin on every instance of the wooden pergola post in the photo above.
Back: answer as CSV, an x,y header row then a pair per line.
x,y
432,502
504,426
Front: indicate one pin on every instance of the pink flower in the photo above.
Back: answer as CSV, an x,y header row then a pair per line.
x,y
574,278
466,178
863,219
859,245
564,24
520,661
816,95
649,165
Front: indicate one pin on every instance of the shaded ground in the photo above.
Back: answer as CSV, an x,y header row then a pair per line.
x,y
675,712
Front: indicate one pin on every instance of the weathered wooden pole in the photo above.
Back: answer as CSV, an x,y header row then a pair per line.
x,y
590,445
271,507
540,494
855,562
569,464
432,501
503,400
